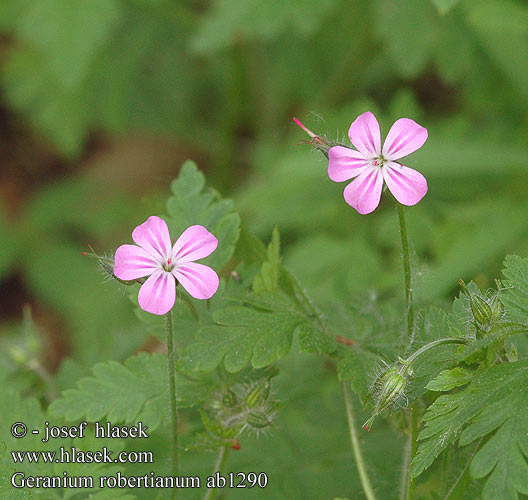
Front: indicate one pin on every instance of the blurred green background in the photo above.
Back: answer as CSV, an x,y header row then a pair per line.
x,y
102,100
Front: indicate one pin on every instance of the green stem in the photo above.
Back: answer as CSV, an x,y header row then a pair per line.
x,y
407,272
172,398
221,461
406,467
356,447
448,340
410,334
414,446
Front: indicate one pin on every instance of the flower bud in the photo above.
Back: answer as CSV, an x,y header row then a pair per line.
x,y
389,390
230,400
258,395
391,387
258,419
482,311
497,309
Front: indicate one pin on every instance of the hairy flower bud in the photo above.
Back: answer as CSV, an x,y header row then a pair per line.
x,y
497,309
258,419
389,390
487,309
258,395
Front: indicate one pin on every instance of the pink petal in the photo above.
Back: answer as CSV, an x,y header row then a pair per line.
x,y
200,281
404,137
407,185
195,243
344,163
153,236
364,192
158,293
132,262
365,135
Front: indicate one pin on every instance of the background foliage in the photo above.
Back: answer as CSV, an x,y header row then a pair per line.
x,y
102,101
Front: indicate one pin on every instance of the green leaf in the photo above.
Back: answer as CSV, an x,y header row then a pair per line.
x,y
130,392
216,428
191,204
315,340
515,295
444,6
69,32
230,20
260,336
449,379
502,28
268,278
240,335
358,367
495,402
7,492
412,35
495,336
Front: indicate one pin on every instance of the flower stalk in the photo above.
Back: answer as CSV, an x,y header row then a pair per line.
x,y
356,447
221,461
406,272
172,399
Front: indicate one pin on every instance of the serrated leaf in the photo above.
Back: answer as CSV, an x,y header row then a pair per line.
x,y
191,204
244,334
241,335
515,294
496,401
449,379
130,392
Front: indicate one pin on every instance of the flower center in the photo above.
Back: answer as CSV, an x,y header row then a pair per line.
x,y
169,265
378,161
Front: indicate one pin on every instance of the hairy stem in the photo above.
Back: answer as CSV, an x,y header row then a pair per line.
x,y
406,272
406,467
410,335
414,446
356,447
172,398
221,461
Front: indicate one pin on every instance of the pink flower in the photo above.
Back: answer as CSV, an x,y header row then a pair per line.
x,y
372,164
166,265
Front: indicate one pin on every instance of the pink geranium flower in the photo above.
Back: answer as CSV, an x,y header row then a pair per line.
x,y
372,164
166,265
